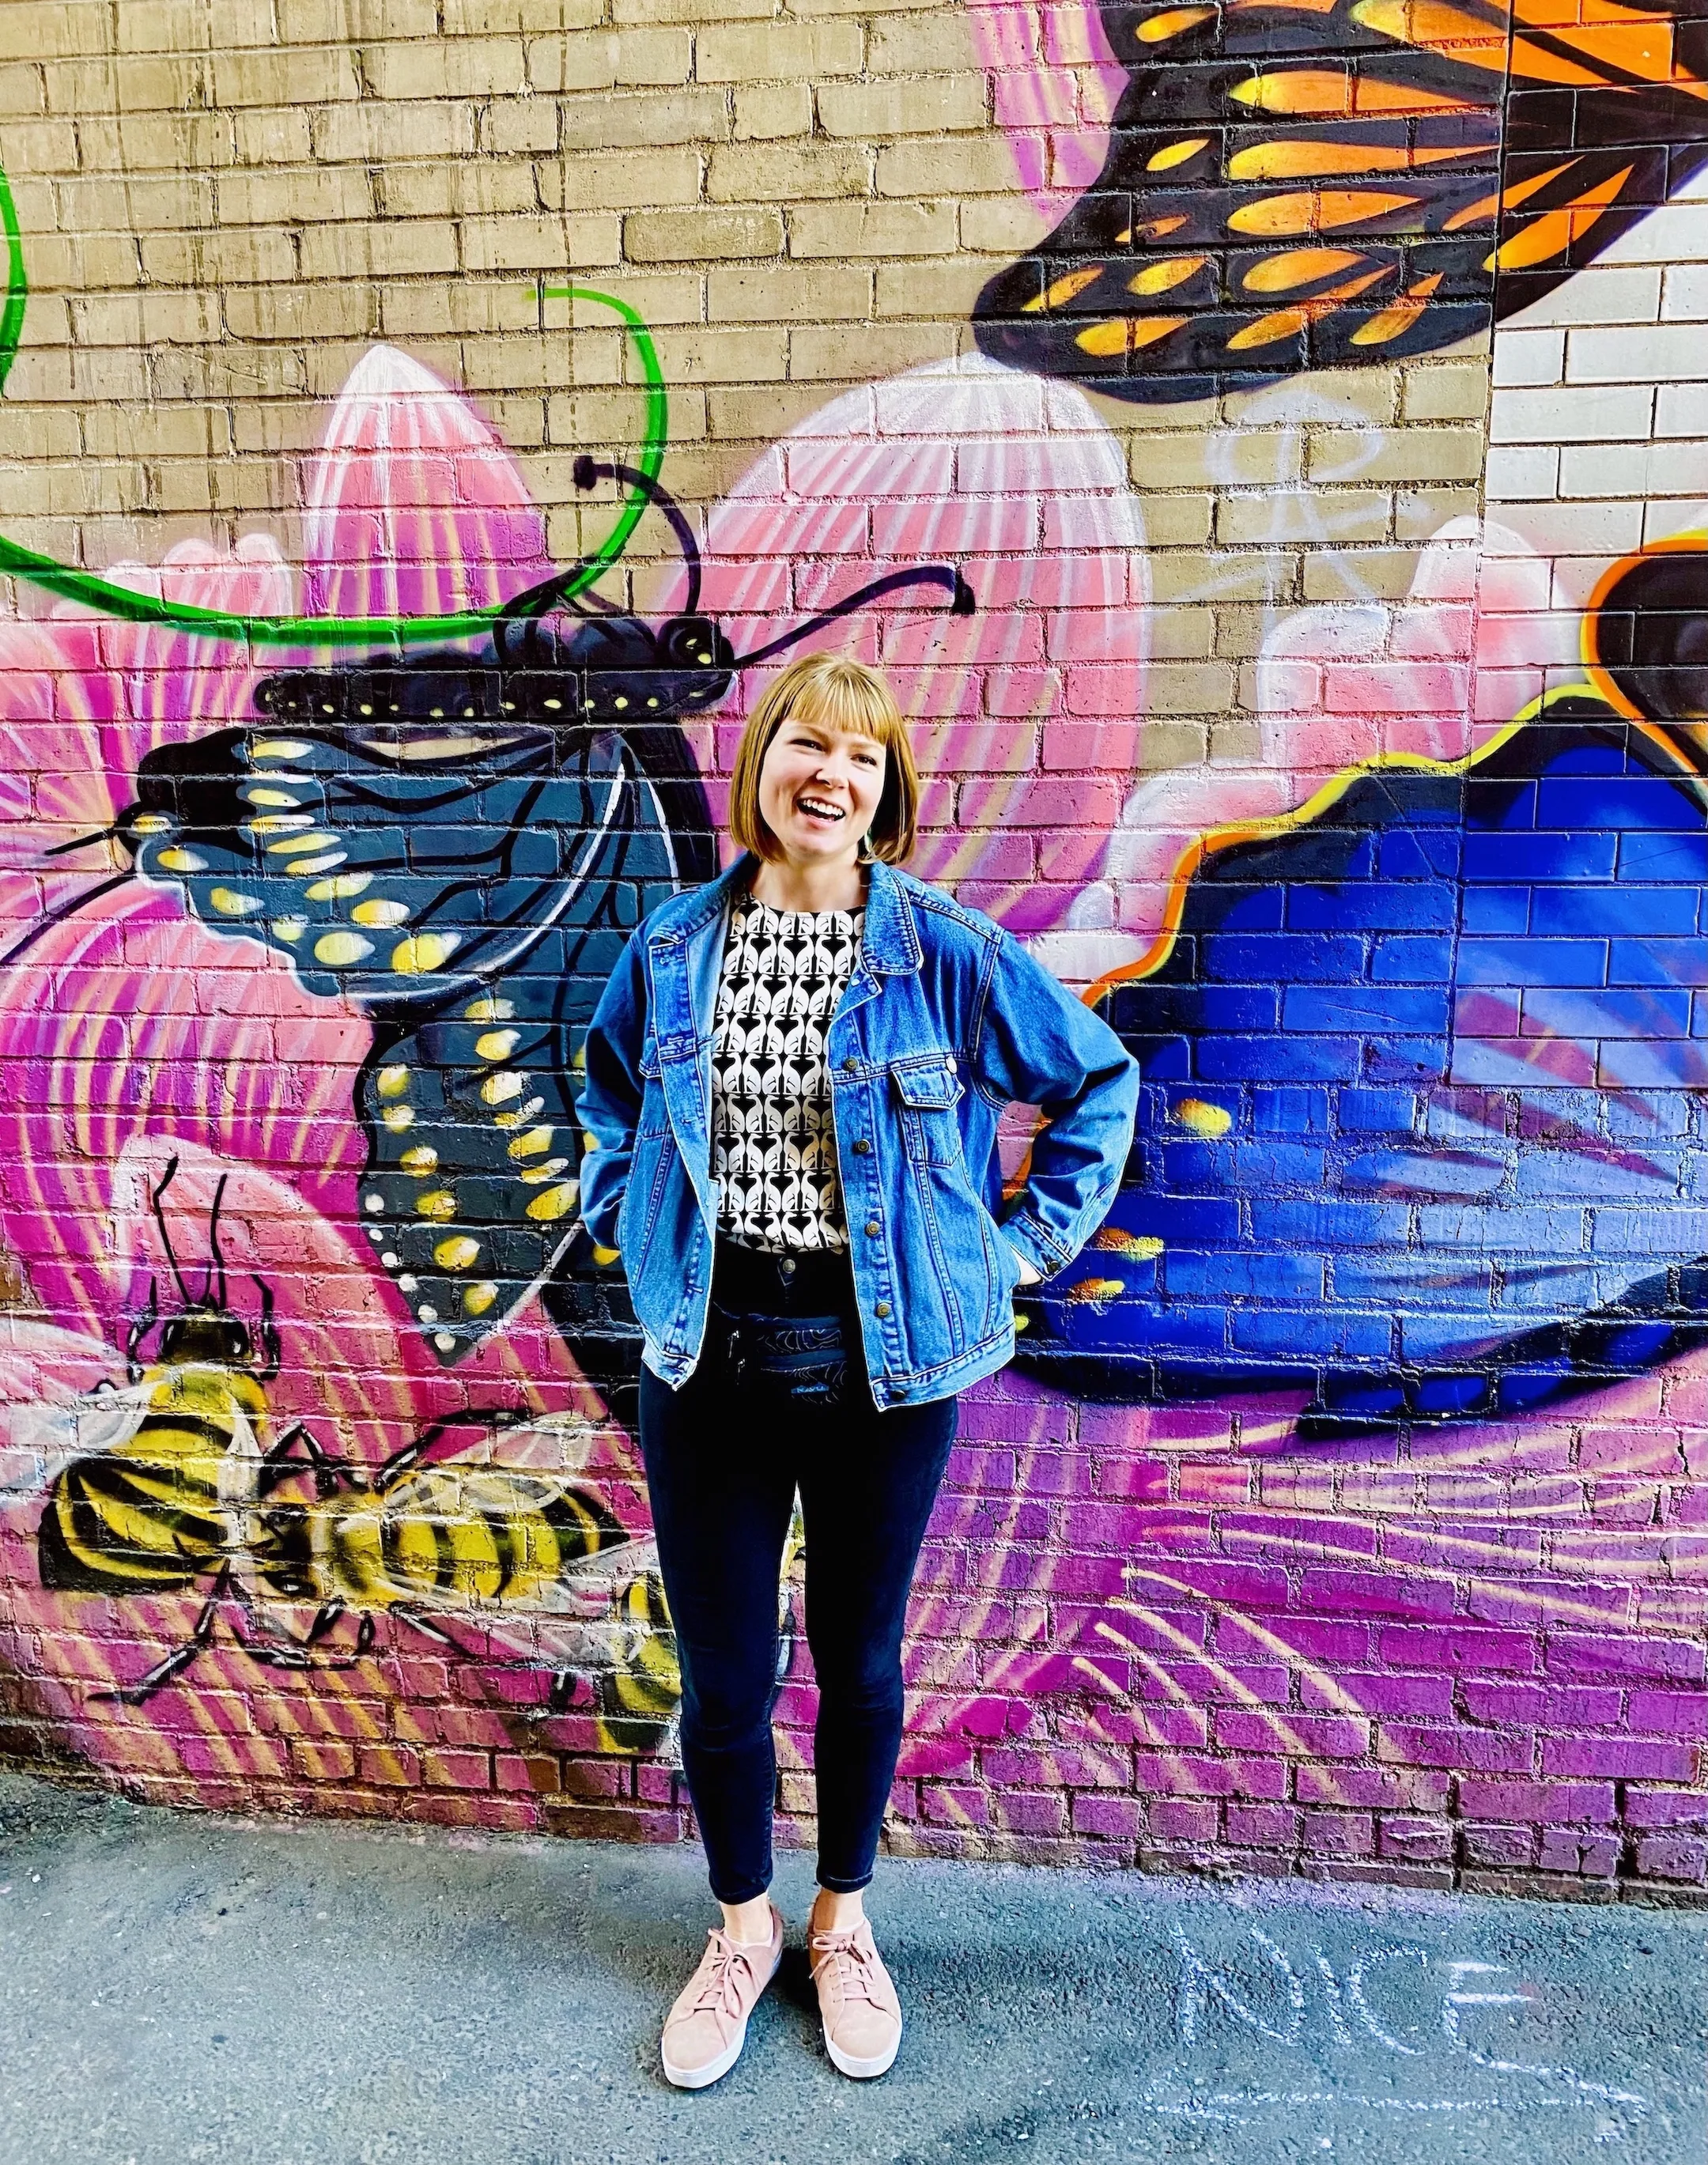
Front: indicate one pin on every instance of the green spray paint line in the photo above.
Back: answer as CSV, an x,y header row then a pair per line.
x,y
69,584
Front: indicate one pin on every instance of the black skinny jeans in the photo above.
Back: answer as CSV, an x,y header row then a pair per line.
x,y
724,1459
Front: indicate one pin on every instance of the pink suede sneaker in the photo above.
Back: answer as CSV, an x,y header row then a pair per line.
x,y
857,2002
707,2027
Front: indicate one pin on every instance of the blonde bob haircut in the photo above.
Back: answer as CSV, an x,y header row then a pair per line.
x,y
843,698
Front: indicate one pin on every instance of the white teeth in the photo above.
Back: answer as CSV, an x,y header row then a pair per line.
x,y
819,810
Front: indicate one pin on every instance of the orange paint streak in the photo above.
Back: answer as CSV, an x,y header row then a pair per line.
x,y
1403,314
1288,322
1509,199
1302,161
1316,211
1297,267
1330,91
1554,232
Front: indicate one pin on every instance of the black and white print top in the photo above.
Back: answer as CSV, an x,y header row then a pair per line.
x,y
773,1146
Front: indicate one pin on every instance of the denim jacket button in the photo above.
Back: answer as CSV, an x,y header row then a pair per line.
x,y
862,1147
850,1064
873,1228
880,1310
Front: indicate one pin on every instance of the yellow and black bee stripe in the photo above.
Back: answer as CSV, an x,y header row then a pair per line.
x,y
1293,184
144,1518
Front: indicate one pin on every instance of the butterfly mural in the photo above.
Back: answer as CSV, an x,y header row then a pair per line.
x,y
1291,185
1425,1064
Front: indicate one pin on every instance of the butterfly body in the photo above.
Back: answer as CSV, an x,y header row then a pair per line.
x,y
1306,186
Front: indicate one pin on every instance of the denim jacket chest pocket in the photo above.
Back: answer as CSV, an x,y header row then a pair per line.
x,y
928,1088
655,1115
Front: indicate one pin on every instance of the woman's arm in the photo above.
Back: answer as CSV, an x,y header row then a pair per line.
x,y
610,1102
1036,1043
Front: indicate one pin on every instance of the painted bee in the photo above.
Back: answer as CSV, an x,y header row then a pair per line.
x,y
193,1487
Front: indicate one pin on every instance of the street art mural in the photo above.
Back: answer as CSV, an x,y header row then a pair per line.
x,y
1344,1502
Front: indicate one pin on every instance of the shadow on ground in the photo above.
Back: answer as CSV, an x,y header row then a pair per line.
x,y
179,1989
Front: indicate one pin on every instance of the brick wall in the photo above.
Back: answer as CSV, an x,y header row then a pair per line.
x,y
1329,714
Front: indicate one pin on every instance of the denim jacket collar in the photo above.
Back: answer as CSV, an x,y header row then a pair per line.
x,y
890,947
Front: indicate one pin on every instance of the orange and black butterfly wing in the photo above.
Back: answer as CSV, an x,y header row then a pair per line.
x,y
1292,186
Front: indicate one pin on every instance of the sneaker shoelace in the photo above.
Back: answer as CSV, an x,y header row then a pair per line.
x,y
856,1966
721,1992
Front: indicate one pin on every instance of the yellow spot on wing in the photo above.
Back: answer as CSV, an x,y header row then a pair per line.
x,y
422,1158
280,748
553,1203
397,1118
456,1253
340,949
380,913
181,860
605,1257
497,1044
1142,1247
289,928
488,1008
1062,290
477,1299
1127,334
1097,1289
392,1082
1170,23
1176,154
230,903
426,951
253,792
1161,277
437,1202
341,885
499,1090
531,1144
531,1174
1201,1118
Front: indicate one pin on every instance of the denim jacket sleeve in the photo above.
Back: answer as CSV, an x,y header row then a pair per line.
x,y
610,1102
1039,1045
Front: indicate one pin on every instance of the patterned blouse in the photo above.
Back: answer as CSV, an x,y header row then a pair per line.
x,y
773,1146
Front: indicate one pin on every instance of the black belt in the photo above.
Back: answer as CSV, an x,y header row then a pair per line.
x,y
784,1323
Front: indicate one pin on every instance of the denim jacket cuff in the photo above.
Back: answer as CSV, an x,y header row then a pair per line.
x,y
1042,1249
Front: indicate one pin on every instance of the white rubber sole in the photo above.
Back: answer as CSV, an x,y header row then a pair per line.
x,y
862,2070
700,2078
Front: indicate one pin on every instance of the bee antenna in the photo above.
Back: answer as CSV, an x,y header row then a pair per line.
x,y
963,602
586,472
216,1260
160,1219
81,842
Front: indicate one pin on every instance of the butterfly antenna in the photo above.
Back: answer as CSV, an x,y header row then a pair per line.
x,y
156,1201
537,600
962,603
82,842
216,1260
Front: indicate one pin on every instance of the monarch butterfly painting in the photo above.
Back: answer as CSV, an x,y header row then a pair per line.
x,y
1295,184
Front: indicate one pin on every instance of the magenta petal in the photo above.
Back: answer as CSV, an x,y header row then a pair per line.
x,y
413,506
1027,714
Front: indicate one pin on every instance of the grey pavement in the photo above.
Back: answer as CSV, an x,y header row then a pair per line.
x,y
181,1987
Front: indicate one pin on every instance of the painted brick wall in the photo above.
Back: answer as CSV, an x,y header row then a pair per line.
x,y
1330,713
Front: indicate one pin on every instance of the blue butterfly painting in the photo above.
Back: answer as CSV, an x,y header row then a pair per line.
x,y
1422,1122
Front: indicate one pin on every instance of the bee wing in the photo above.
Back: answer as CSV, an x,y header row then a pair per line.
x,y
579,1625
38,1441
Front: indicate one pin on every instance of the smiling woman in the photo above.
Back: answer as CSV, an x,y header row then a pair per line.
x,y
827,1009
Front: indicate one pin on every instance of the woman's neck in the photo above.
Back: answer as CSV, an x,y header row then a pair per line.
x,y
839,883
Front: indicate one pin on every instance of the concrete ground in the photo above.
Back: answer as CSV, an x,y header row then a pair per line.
x,y
180,1988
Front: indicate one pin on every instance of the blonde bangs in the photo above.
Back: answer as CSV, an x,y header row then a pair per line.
x,y
848,699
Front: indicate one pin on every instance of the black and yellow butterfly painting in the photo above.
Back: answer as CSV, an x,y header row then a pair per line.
x,y
1297,184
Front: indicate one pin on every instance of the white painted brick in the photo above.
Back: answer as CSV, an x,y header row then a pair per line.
x,y
1583,413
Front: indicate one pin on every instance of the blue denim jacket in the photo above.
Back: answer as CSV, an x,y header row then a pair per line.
x,y
945,1020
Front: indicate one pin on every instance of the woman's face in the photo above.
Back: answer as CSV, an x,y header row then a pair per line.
x,y
820,790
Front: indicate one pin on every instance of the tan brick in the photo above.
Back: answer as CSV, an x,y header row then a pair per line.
x,y
640,12
932,105
696,236
363,133
766,112
448,68
782,172
22,90
1190,575
158,432
612,120
705,356
1417,454
457,187
937,43
240,257
38,146
278,136
142,319
1446,390
176,142
1420,512
380,248
788,293
306,74
479,19
332,22
1006,226
869,229
777,52
322,310
945,285
82,262
970,166
1339,575
1314,514
51,29
593,60
849,353
307,194
473,306
608,416
666,179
